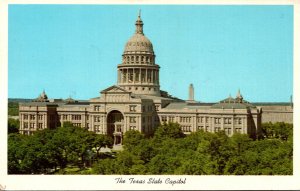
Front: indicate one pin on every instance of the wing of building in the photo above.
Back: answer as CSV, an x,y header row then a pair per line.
x,y
136,102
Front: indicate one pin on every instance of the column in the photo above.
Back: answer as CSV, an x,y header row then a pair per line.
x,y
194,123
133,75
36,121
140,77
232,126
222,123
127,72
146,75
152,76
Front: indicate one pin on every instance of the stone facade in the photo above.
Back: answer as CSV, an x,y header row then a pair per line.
x,y
136,102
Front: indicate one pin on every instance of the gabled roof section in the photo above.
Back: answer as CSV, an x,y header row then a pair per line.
x,y
114,89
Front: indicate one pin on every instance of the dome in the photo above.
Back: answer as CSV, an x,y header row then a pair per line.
x,y
138,43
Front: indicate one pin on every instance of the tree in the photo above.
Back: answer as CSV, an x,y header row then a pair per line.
x,y
13,125
132,138
101,141
168,130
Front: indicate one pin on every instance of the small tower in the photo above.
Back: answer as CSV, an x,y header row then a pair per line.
x,y
42,97
239,97
291,101
191,93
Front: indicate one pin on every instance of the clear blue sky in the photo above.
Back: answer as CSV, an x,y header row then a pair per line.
x,y
74,49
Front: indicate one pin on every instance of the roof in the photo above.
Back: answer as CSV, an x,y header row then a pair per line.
x,y
186,105
233,103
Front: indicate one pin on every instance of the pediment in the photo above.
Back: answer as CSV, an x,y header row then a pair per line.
x,y
114,89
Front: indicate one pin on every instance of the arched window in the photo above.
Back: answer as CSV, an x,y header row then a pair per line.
x,y
132,59
137,58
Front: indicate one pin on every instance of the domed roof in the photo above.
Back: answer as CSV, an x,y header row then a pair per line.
x,y
139,42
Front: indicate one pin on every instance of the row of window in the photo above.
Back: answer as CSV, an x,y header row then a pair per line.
x,y
186,128
226,129
142,59
27,125
143,88
73,117
219,120
76,117
32,117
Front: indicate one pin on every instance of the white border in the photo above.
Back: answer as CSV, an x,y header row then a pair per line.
x,y
100,182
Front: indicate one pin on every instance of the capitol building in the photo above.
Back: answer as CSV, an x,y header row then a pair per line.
x,y
136,102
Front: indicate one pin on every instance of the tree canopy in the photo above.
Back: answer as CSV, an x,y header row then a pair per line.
x,y
169,151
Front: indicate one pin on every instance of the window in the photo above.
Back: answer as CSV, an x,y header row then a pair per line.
x,y
157,107
143,109
77,124
217,129
32,125
171,119
217,120
132,107
40,125
240,121
32,117
132,59
200,128
132,119
97,108
87,117
25,116
97,128
164,118
186,128
206,120
132,127
185,119
25,125
40,117
65,117
201,119
227,130
96,118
